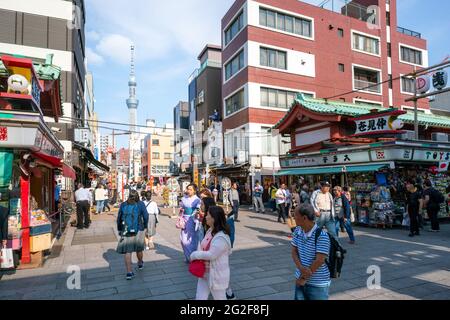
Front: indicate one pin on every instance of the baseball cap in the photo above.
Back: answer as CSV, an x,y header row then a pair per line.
x,y
325,184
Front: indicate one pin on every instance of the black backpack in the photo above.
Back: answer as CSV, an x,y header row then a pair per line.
x,y
335,258
437,196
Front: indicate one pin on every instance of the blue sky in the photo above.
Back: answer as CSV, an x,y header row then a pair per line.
x,y
168,36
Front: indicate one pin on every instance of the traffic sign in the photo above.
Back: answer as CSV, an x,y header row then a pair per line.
x,y
226,183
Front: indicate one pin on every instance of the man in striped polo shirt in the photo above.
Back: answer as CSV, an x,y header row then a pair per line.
x,y
312,274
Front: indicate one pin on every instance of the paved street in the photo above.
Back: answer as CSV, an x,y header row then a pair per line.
x,y
261,265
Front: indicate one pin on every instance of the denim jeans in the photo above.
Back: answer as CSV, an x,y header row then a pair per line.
x,y
235,205
327,221
100,205
258,203
308,292
348,227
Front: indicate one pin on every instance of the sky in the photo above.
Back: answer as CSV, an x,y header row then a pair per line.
x,y
169,35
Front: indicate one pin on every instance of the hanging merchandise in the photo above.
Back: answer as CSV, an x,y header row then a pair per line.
x,y
6,161
383,207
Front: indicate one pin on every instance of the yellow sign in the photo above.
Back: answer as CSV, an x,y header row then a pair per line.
x,y
196,177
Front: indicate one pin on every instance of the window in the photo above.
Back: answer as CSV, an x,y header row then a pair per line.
x,y
155,155
411,56
407,85
367,80
167,155
284,22
155,142
373,104
172,143
234,28
235,65
273,58
340,32
275,98
234,103
201,97
366,44
390,81
389,49
388,18
341,67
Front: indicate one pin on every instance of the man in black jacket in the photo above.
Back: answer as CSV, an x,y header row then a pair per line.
x,y
414,207
430,202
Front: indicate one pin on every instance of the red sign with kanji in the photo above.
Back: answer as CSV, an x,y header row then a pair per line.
x,y
3,133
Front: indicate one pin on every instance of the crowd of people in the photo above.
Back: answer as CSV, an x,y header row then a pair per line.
x,y
207,232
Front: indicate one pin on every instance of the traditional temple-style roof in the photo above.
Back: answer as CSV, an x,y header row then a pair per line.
x,y
339,109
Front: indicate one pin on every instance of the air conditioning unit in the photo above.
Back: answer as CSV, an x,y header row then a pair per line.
x,y
408,135
439,136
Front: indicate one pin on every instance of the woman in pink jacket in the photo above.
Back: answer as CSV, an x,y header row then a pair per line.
x,y
214,249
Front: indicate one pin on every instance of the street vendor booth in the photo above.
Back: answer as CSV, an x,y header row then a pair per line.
x,y
31,156
367,150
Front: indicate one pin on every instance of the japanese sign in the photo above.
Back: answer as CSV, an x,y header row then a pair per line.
x,y
327,159
383,122
431,155
423,84
3,133
440,78
391,154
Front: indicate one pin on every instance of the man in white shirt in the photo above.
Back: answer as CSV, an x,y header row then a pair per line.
x,y
322,202
83,199
281,198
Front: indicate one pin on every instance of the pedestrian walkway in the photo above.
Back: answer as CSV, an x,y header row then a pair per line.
x,y
261,265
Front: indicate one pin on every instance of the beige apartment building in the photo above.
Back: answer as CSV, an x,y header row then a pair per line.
x,y
157,151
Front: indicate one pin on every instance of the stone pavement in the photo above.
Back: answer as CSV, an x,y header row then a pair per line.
x,y
261,265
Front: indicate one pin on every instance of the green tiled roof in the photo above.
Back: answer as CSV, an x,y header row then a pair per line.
x,y
354,110
44,71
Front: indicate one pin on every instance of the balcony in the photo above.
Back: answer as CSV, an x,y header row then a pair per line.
x,y
367,86
409,32
367,80
348,8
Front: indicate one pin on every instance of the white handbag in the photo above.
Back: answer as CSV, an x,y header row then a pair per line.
x,y
7,259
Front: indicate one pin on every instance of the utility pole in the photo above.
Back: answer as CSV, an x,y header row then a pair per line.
x,y
416,121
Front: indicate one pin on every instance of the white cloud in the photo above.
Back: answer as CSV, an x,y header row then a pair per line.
x,y
92,35
93,58
157,28
116,47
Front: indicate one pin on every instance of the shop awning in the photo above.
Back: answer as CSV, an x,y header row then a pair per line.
x,y
54,161
91,159
69,172
337,169
6,164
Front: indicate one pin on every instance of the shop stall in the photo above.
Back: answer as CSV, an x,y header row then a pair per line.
x,y
31,156
366,150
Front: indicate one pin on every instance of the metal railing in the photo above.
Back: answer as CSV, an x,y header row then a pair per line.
x,y
367,86
348,8
409,32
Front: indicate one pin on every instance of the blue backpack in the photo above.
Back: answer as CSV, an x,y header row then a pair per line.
x,y
130,219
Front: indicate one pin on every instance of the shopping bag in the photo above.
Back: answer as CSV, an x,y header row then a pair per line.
x,y
405,221
291,222
6,259
352,215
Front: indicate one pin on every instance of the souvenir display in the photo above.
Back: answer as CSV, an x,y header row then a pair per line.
x,y
441,183
38,217
383,206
